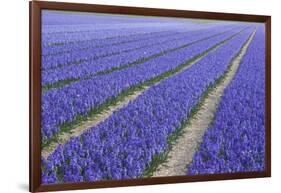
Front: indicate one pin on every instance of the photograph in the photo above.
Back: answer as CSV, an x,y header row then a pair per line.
x,y
136,96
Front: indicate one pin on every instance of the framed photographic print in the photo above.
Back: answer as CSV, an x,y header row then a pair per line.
x,y
123,96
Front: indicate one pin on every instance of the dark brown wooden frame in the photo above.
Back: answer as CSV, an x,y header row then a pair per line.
x,y
35,8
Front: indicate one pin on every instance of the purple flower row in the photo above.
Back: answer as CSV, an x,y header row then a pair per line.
x,y
97,51
122,146
83,43
235,142
50,51
101,31
91,67
64,104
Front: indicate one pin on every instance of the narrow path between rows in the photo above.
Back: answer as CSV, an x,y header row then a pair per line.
x,y
182,151
93,121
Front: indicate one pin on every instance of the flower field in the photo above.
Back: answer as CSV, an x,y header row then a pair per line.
x,y
92,62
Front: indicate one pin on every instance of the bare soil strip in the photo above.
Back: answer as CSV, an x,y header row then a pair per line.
x,y
182,151
93,121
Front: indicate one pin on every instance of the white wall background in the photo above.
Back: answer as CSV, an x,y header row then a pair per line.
x,y
14,95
